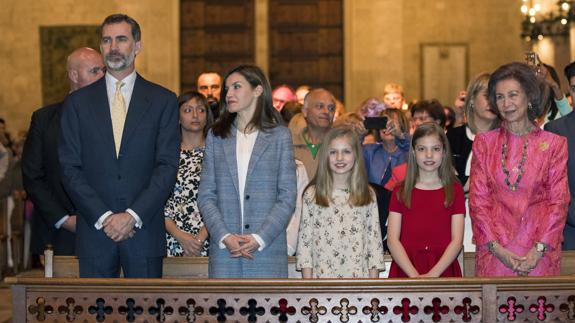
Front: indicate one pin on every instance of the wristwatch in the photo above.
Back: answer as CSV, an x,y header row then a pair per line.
x,y
540,247
491,246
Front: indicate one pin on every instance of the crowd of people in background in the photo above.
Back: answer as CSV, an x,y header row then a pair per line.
x,y
122,173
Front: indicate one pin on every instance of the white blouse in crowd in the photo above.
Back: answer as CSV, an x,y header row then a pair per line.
x,y
293,226
471,136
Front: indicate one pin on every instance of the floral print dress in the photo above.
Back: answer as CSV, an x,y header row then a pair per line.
x,y
182,205
341,240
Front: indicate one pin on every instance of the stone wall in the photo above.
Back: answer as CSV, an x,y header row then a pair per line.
x,y
20,76
383,41
384,37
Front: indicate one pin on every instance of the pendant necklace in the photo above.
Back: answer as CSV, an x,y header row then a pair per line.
x,y
519,169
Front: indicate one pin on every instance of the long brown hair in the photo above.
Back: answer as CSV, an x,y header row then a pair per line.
x,y
360,193
265,116
446,171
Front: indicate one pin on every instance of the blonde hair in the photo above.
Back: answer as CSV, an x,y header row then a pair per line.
x,y
404,124
475,87
351,120
392,88
360,193
446,171
401,118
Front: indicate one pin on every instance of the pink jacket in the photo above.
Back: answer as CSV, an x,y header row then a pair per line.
x,y
535,212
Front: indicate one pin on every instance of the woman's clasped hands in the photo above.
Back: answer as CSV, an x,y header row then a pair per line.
x,y
522,265
241,245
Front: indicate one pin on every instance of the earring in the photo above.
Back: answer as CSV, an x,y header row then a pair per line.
x,y
471,106
529,106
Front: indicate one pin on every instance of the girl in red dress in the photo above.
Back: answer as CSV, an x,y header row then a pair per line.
x,y
425,228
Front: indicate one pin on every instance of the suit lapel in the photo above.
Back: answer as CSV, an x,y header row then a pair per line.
x,y
262,142
101,109
139,105
229,144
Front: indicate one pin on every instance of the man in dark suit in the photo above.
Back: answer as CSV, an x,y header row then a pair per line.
x,y
565,127
119,152
54,219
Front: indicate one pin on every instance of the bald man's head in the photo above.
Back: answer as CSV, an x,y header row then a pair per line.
x,y
319,109
85,66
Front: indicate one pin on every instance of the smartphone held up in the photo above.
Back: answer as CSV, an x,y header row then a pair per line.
x,y
375,123
532,59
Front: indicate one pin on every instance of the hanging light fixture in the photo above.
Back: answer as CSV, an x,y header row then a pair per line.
x,y
536,25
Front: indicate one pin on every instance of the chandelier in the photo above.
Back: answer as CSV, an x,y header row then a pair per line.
x,y
538,24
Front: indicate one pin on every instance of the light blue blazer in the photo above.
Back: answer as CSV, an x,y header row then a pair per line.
x,y
269,201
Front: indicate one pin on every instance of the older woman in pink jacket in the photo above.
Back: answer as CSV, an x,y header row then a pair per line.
x,y
518,190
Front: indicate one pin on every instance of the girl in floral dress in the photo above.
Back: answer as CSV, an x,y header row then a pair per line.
x,y
425,224
339,235
185,231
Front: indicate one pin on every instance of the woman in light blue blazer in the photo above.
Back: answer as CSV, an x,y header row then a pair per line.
x,y
248,185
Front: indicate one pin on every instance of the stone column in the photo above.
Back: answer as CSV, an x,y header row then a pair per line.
x,y
262,34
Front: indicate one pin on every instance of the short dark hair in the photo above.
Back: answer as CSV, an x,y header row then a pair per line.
x,y
551,105
120,17
290,109
535,89
449,116
187,96
570,71
433,108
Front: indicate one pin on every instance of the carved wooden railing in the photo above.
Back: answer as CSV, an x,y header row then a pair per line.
x,y
293,300
197,267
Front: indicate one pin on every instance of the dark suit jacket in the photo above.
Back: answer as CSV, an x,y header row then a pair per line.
x,y
565,127
41,175
141,178
460,150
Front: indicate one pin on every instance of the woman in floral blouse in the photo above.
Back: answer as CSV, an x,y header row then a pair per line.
x,y
186,234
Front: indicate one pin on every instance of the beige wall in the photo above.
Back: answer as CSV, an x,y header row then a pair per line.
x,y
20,75
383,39
382,42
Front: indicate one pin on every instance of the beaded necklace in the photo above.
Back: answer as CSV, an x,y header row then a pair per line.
x,y
519,169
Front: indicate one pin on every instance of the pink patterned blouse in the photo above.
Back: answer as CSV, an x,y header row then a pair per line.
x,y
535,212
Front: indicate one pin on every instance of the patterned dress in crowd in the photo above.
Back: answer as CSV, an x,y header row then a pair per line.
x,y
339,241
182,206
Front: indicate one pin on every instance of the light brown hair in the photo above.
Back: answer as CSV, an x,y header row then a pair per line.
x,y
360,193
446,172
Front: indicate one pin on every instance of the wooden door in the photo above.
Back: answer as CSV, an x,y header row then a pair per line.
x,y
306,43
444,71
216,35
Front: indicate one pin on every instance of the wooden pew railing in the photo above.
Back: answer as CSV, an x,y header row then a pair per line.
x,y
197,267
187,296
293,300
